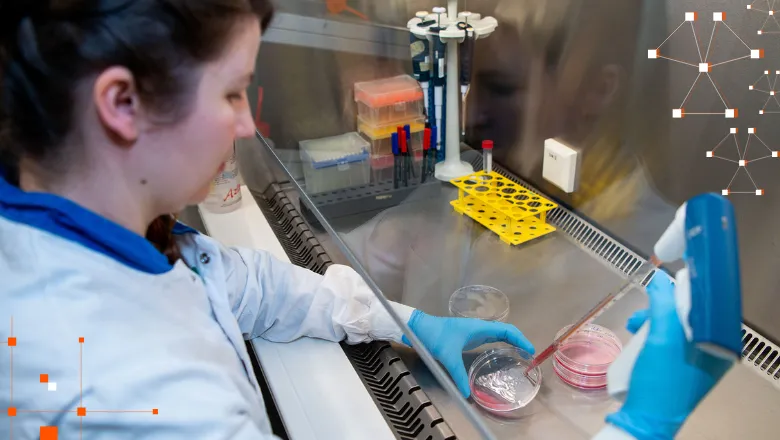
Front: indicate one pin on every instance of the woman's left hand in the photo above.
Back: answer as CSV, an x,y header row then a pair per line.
x,y
447,338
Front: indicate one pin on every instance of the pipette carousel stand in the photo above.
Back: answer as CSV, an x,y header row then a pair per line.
x,y
445,28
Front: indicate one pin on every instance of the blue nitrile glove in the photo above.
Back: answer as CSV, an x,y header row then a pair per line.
x,y
671,376
448,338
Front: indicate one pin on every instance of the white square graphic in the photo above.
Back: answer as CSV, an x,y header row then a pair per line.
x,y
742,163
774,154
755,53
709,154
730,113
766,72
749,6
677,113
760,112
750,87
690,16
717,16
777,72
52,386
652,54
733,130
759,32
704,67
759,192
772,93
771,12
752,130
725,192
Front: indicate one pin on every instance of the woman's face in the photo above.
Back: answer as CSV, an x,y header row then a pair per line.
x,y
500,99
191,153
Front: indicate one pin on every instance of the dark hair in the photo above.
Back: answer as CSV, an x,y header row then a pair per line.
x,y
47,47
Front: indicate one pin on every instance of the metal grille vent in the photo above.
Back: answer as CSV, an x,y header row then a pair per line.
x,y
298,241
411,413
584,234
761,355
405,407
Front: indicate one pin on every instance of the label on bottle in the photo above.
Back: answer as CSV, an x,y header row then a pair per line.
x,y
225,189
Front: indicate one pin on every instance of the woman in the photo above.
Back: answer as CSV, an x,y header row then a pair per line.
x,y
114,114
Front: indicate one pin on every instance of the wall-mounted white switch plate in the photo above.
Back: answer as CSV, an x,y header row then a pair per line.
x,y
561,165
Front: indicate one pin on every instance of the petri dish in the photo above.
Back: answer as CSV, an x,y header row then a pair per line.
x,y
481,302
498,383
583,359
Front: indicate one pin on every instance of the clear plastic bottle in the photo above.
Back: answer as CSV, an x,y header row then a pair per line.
x,y
225,194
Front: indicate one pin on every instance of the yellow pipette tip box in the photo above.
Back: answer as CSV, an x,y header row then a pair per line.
x,y
514,213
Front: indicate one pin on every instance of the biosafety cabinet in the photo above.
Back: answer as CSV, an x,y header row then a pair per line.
x,y
618,81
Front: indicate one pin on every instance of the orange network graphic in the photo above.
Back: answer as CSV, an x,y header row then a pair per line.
x,y
742,160
51,432
771,25
771,103
704,65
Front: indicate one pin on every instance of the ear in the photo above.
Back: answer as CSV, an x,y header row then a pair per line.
x,y
603,91
117,103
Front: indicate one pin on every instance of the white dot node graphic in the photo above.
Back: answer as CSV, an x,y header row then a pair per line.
x,y
768,8
704,64
767,84
742,163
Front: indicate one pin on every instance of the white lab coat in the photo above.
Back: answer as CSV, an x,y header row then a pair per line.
x,y
172,341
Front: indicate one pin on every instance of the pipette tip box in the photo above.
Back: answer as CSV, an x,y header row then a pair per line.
x,y
389,100
335,162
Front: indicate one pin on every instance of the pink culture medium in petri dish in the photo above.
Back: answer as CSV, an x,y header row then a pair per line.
x,y
586,353
583,359
498,382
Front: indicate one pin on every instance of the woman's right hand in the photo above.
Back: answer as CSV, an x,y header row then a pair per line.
x,y
671,376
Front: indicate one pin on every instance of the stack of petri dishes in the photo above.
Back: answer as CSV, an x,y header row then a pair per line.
x,y
498,382
481,302
584,358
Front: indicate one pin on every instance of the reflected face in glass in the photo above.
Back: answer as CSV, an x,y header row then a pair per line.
x,y
558,79
499,102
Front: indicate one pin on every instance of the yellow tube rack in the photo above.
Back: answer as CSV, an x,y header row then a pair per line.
x,y
516,214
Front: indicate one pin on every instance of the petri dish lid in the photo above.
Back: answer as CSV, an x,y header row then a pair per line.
x,y
481,302
498,382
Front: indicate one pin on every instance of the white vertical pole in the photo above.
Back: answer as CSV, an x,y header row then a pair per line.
x,y
452,167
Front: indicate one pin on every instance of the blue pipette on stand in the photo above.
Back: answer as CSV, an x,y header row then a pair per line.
x,y
421,60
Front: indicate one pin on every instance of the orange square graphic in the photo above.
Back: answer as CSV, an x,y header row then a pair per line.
x,y
154,411
12,412
12,342
48,433
81,340
44,378
81,411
